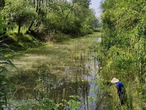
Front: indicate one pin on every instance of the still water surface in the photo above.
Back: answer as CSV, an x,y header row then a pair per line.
x,y
75,78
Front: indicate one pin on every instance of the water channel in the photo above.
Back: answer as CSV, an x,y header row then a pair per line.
x,y
77,77
79,81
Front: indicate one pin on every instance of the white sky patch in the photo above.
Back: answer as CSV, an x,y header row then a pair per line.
x,y
95,4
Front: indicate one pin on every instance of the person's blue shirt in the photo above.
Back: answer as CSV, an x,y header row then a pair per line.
x,y
119,86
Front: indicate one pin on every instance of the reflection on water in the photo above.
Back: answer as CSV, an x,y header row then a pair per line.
x,y
82,84
90,98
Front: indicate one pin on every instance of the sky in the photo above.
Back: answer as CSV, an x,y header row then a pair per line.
x,y
95,4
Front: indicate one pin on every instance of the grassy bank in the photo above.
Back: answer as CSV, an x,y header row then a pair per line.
x,y
20,42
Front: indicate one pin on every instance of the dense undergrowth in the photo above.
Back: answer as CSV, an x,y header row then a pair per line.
x,y
123,51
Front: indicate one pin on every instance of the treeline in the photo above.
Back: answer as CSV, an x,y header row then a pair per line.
x,y
44,17
124,48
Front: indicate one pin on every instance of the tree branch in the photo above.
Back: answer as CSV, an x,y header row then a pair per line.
x,y
69,12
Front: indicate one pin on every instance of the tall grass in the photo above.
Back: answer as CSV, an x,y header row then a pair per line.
x,y
123,49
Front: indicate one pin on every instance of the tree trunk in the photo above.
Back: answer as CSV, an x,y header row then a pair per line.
x,y
38,5
29,29
19,27
69,12
34,3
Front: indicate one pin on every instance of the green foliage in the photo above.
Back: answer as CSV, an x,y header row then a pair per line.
x,y
19,12
123,45
41,19
74,19
4,62
47,104
22,41
73,103
97,30
43,104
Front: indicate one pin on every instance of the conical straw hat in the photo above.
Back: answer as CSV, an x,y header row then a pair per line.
x,y
114,80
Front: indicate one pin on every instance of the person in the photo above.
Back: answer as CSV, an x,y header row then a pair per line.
x,y
120,90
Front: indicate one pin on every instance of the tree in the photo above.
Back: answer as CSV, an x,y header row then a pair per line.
x,y
19,12
84,3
